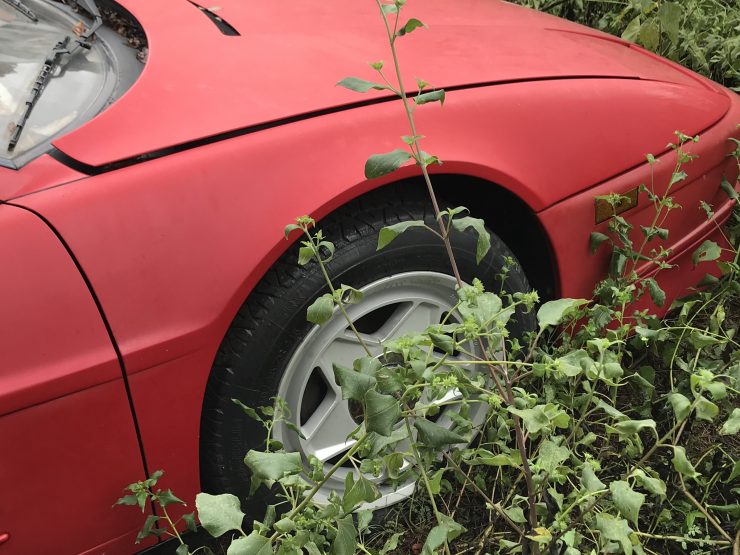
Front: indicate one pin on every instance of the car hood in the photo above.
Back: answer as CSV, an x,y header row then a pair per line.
x,y
201,81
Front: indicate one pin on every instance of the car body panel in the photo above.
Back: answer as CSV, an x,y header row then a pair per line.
x,y
64,464
41,173
216,91
67,435
55,343
570,222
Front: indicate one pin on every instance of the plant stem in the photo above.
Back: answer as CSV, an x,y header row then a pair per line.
x,y
701,508
506,392
329,473
683,539
424,476
496,506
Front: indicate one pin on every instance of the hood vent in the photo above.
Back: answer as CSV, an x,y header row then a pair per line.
x,y
224,26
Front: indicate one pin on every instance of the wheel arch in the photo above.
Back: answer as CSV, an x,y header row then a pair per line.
x,y
505,213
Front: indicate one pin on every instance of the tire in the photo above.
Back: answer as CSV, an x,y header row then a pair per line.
x,y
269,347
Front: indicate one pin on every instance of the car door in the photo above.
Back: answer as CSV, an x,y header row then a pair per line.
x,y
68,443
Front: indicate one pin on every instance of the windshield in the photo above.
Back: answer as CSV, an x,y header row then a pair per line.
x,y
78,89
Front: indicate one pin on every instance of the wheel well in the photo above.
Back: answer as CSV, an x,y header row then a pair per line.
x,y
508,217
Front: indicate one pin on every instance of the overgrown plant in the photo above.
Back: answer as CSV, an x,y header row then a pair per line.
x,y
585,447
700,34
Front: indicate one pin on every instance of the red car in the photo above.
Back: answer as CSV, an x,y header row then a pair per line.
x,y
146,280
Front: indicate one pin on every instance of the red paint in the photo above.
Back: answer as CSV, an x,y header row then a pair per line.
x,y
41,173
173,246
219,88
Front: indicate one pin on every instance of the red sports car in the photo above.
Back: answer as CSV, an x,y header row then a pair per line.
x,y
146,280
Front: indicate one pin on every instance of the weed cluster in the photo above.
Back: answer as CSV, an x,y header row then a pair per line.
x,y
699,34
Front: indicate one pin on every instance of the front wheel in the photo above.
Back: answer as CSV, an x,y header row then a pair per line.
x,y
271,350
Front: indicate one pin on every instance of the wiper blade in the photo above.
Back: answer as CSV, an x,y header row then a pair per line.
x,y
21,7
83,42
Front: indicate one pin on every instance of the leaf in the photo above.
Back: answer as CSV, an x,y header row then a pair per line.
x,y
551,456
360,85
734,473
632,427
732,425
290,228
482,309
356,493
321,310
182,549
269,467
669,15
253,544
589,480
701,340
189,520
595,240
485,457
516,514
363,519
346,538
655,486
446,531
632,30
381,413
707,251
534,419
249,411
681,405
149,529
127,500
435,481
573,363
656,293
431,96
443,342
284,525
390,232
552,313
729,190
219,513
626,500
434,435
305,254
479,227
166,497
354,384
391,543
379,165
615,529
705,409
410,26
349,295
682,464
650,35
678,177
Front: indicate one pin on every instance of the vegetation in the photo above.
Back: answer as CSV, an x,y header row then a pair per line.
x,y
606,430
702,35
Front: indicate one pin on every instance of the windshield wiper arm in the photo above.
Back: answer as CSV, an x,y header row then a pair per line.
x,y
83,42
21,7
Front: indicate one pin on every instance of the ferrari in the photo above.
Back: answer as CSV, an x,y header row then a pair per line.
x,y
151,154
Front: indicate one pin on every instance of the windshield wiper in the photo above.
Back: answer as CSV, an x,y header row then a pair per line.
x,y
21,7
83,42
